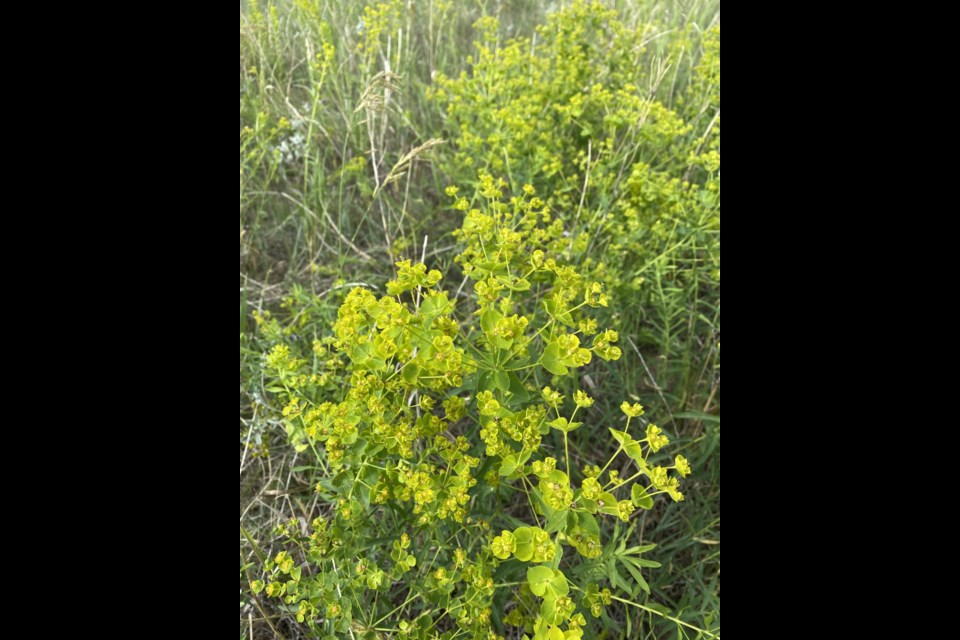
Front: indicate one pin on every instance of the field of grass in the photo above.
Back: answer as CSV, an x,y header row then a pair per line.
x,y
356,119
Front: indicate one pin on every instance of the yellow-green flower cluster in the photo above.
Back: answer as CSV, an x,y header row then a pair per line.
x,y
633,411
410,276
556,491
582,400
558,109
656,439
378,21
526,544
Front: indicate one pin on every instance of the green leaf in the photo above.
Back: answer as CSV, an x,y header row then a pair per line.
x,y
557,521
423,340
589,505
588,523
436,306
640,497
520,285
621,437
635,572
616,578
485,381
559,585
636,551
492,266
609,504
517,388
501,380
410,373
547,583
696,415
523,457
548,632
561,424
551,360
489,320
540,579
635,451
509,465
524,538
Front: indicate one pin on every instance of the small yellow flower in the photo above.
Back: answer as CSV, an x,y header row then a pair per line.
x,y
583,400
632,411
656,438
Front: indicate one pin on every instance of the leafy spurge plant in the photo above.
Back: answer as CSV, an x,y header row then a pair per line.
x,y
447,478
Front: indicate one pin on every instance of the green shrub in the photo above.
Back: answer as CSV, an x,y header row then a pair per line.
x,y
452,509
544,110
626,142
